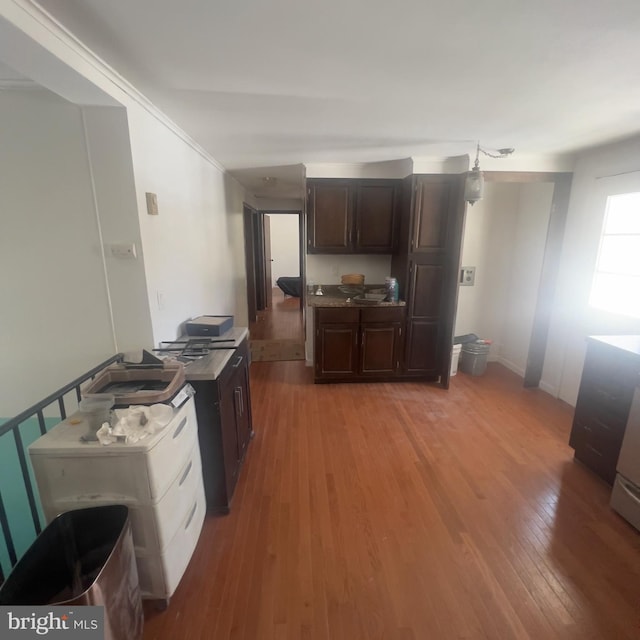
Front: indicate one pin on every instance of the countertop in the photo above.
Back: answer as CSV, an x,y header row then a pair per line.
x,y
346,301
333,297
628,343
210,366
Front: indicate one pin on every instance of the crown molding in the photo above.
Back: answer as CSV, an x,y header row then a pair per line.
x,y
30,10
19,84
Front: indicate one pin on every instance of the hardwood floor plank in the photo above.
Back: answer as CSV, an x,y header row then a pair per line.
x,y
404,511
282,320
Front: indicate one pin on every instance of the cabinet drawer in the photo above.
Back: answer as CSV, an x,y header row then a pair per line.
x,y
337,315
169,456
597,446
382,314
601,434
601,462
160,573
608,410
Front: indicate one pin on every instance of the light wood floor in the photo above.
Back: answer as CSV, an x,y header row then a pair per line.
x,y
402,511
282,321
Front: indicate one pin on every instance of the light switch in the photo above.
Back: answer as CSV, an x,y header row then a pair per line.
x,y
467,276
152,203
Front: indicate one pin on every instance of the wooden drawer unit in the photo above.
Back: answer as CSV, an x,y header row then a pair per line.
x,y
355,344
609,378
326,315
382,314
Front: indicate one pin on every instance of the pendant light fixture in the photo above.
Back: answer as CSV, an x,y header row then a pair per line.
x,y
474,183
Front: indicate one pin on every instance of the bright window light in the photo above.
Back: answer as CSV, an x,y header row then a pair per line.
x,y
616,282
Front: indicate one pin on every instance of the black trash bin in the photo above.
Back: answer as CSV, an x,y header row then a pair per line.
x,y
83,557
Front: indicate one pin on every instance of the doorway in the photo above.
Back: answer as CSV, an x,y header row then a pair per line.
x,y
274,251
514,238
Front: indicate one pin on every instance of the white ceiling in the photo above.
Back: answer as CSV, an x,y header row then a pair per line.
x,y
263,84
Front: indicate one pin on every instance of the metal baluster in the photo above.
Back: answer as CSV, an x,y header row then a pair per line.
x,y
27,480
8,539
42,423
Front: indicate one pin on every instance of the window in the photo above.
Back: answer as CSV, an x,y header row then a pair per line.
x,y
616,282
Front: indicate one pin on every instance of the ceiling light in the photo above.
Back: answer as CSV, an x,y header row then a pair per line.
x,y
474,183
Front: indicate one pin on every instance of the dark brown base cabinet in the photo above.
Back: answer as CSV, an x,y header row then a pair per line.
x,y
225,426
609,378
354,344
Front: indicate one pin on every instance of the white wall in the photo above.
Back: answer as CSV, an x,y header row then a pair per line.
x,y
528,247
109,154
323,269
597,172
194,254
504,238
54,312
65,182
487,246
285,245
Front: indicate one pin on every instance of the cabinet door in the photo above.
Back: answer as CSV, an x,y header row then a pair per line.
x,y
242,404
423,348
376,216
432,207
231,456
379,349
330,221
422,351
336,350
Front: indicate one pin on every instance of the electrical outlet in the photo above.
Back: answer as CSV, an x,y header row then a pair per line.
x,y
124,250
467,276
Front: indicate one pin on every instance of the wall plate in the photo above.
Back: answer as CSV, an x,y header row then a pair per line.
x,y
467,276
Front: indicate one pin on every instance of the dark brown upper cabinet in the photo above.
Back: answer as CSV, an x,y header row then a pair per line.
x,y
432,211
352,216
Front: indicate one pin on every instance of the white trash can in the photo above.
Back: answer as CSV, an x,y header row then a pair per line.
x,y
455,357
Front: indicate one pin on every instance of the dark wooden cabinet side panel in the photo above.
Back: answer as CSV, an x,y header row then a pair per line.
x,y
400,257
378,349
427,285
376,211
210,442
329,218
432,204
225,426
422,348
